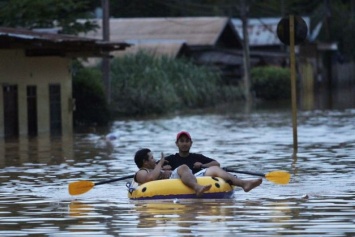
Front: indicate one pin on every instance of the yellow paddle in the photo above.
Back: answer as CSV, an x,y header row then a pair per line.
x,y
277,176
80,187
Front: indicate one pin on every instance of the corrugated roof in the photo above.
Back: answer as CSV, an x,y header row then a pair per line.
x,y
262,31
42,43
192,30
166,36
169,49
21,33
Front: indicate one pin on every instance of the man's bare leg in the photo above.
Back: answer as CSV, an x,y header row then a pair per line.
x,y
250,184
201,189
190,180
246,185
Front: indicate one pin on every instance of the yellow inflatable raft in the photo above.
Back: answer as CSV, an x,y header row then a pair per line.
x,y
174,188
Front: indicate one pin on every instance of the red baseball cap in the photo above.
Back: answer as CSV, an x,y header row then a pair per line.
x,y
183,133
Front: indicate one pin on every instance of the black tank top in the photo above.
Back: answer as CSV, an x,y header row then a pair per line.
x,y
135,178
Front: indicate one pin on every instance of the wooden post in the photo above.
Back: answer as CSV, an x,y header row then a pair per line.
x,y
246,54
106,37
293,82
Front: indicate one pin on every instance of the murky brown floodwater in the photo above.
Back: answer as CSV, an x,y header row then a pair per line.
x,y
34,175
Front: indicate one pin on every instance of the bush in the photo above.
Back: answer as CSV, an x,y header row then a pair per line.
x,y
271,83
146,85
88,91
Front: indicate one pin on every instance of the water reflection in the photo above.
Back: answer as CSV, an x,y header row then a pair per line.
x,y
319,200
183,218
42,149
79,209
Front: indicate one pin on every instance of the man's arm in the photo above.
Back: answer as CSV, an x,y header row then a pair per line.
x,y
205,162
166,165
212,163
143,176
199,165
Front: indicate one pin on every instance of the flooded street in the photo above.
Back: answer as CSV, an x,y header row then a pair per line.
x,y
318,201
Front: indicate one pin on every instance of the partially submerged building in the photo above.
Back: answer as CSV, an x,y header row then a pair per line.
x,y
36,79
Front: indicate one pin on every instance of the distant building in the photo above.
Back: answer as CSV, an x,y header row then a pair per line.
x,y
217,42
209,41
36,80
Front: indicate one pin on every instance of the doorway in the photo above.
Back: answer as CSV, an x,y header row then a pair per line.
x,y
10,111
32,111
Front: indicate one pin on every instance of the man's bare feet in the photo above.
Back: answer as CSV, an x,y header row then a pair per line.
x,y
250,184
201,189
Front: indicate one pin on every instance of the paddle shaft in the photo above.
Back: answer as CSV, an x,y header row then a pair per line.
x,y
244,172
114,180
226,169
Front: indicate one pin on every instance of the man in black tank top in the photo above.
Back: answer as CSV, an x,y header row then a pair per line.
x,y
202,165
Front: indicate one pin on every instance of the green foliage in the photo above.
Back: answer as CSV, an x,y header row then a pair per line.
x,y
88,91
46,14
271,83
143,84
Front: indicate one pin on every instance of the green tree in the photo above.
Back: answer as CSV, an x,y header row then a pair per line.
x,y
46,14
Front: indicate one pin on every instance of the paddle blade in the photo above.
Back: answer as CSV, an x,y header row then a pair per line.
x,y
278,177
80,187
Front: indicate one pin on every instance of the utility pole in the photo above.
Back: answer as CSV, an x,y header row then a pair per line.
x,y
246,59
293,83
328,59
105,4
283,14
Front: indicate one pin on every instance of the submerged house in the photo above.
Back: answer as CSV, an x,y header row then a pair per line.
x,y
209,41
36,79
265,46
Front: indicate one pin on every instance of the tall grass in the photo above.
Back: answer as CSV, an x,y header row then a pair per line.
x,y
271,83
143,84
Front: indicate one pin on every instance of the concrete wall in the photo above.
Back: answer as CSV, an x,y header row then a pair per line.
x,y
16,68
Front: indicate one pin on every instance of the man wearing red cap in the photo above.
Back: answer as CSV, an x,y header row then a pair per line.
x,y
202,165
150,170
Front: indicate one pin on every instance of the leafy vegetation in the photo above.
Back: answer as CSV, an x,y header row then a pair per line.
x,y
142,84
47,14
271,83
